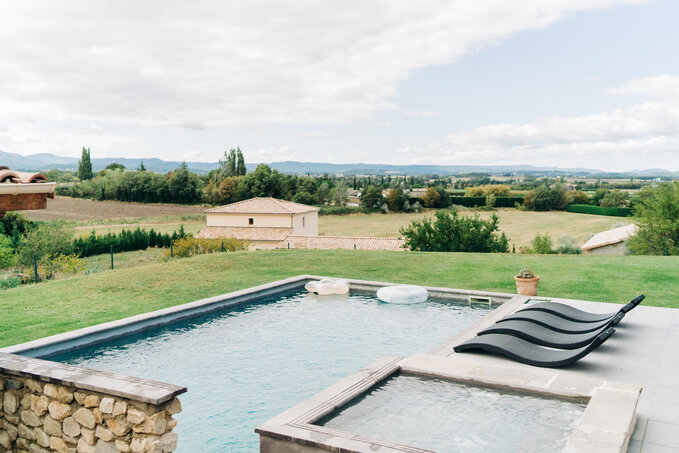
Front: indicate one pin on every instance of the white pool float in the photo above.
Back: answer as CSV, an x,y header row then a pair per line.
x,y
328,286
404,294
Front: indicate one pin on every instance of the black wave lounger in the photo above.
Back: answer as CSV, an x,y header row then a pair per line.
x,y
543,336
573,314
525,352
559,324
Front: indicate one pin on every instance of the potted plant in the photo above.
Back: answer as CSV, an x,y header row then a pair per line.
x,y
527,283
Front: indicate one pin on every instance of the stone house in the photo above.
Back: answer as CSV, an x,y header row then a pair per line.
x,y
264,222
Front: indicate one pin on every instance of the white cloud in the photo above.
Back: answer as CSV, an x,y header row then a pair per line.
x,y
641,135
212,62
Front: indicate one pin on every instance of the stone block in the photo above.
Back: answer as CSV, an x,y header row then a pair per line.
x,y
10,402
51,426
35,448
98,415
26,432
34,386
26,401
122,446
91,401
41,437
155,424
59,411
171,423
143,444
85,417
22,443
80,397
87,435
59,393
119,408
39,404
13,419
106,447
106,405
135,416
30,418
104,434
174,407
169,442
84,447
119,425
12,431
70,427
5,441
58,445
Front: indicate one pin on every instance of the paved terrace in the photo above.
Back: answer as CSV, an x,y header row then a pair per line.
x,y
644,350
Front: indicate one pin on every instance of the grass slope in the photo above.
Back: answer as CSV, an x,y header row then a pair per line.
x,y
39,310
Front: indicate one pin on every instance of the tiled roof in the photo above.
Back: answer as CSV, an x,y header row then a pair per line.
x,y
342,242
610,237
245,233
22,177
262,206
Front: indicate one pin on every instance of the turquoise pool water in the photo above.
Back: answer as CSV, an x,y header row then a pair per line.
x,y
243,366
445,416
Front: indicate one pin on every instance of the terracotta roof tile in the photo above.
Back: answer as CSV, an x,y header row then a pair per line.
x,y
7,175
262,206
342,242
245,233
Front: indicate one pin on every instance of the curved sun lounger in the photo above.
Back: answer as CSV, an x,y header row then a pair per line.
x,y
543,336
558,323
573,314
525,352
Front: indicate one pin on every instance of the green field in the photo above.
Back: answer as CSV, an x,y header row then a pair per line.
x,y
519,226
45,309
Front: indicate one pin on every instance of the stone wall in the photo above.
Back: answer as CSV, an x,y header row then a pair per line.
x,y
41,417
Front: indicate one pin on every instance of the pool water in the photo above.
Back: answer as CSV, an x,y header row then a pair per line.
x,y
445,416
244,365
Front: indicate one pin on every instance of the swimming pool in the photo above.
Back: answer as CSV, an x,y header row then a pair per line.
x,y
246,364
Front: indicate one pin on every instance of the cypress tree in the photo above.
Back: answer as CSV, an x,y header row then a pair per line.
x,y
85,165
240,165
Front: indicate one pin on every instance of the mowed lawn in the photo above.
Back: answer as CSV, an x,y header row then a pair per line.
x,y
519,226
45,309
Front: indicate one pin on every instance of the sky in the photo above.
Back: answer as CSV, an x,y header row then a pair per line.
x,y
567,83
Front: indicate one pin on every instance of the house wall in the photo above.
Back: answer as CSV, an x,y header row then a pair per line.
x,y
305,224
242,220
610,250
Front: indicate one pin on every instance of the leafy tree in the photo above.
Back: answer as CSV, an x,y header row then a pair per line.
x,y
431,198
85,165
141,166
263,182
371,197
340,194
323,193
599,195
240,164
542,198
395,199
184,187
47,242
657,214
615,198
114,166
7,258
578,197
451,233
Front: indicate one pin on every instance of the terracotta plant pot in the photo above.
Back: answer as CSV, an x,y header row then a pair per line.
x,y
527,286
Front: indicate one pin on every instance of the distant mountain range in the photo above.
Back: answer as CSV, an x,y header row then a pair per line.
x,y
46,161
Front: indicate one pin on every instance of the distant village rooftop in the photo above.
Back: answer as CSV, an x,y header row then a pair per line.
x,y
262,206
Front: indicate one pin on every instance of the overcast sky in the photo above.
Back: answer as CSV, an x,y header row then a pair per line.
x,y
570,83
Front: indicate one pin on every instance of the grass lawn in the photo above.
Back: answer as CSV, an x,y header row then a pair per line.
x,y
519,226
45,309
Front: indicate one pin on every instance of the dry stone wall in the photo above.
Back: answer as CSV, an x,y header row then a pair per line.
x,y
40,417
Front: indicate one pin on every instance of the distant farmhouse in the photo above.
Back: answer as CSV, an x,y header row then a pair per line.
x,y
268,223
611,242
21,191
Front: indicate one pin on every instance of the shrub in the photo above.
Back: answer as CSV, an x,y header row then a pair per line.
x,y
500,202
657,212
451,233
190,246
10,282
543,198
46,241
568,245
431,198
372,198
542,244
615,198
341,210
490,201
7,257
599,210
578,197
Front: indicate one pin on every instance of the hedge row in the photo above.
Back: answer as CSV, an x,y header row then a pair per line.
x,y
599,210
342,210
125,241
500,202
